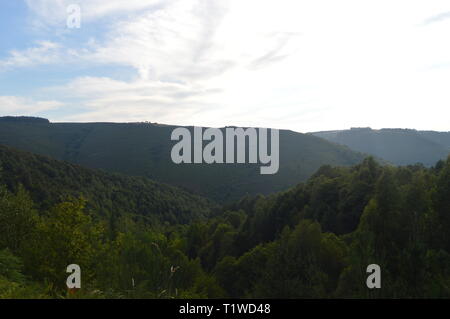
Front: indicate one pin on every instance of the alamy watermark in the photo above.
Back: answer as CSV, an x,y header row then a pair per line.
x,y
374,279
73,16
236,149
74,279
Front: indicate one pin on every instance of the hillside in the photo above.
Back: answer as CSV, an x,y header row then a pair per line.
x,y
143,149
397,146
50,181
313,240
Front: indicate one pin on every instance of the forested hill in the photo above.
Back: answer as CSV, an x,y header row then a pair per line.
x,y
398,146
314,240
143,149
50,182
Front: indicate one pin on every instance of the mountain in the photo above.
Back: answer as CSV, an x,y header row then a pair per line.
x,y
397,146
337,223
143,149
314,240
442,138
50,181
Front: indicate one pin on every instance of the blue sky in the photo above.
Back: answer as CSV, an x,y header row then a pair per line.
x,y
301,65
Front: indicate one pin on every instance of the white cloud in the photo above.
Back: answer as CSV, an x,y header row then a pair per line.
x,y
46,52
303,65
437,18
13,105
180,40
173,43
54,12
105,99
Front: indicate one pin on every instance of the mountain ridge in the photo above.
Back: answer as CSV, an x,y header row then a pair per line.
x,y
397,146
143,149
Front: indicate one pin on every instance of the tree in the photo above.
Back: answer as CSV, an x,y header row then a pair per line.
x,y
17,219
65,235
306,263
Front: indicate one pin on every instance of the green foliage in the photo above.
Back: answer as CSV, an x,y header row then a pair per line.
x,y
13,284
17,218
11,267
314,240
305,264
50,182
64,235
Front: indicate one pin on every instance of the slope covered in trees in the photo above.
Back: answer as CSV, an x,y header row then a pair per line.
x,y
397,146
143,149
50,181
312,241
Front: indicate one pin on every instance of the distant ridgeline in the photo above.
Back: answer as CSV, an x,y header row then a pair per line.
x,y
24,119
397,146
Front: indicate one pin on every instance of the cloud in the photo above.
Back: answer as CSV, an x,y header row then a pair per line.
x,y
186,55
107,99
51,13
13,105
46,52
278,53
175,43
437,18
304,65
180,41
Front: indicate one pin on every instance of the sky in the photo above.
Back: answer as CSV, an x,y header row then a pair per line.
x,y
304,65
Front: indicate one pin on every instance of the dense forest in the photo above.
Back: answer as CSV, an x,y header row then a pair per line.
x,y
50,181
314,240
143,149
